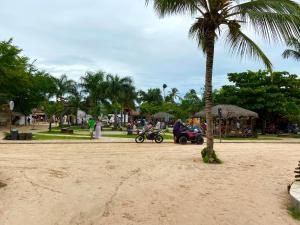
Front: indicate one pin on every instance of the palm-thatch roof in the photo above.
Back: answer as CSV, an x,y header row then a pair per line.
x,y
229,111
163,115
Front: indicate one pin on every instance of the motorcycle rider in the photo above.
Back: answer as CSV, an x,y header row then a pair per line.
x,y
177,128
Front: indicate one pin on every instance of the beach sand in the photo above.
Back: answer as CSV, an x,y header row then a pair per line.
x,y
124,183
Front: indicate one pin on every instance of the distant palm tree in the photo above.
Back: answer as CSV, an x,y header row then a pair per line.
x,y
94,86
75,100
64,86
153,95
272,19
116,91
295,52
173,95
164,90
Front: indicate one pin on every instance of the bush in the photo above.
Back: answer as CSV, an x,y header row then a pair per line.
x,y
294,213
7,136
206,159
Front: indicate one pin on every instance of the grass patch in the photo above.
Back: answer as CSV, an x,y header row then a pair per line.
x,y
260,137
294,213
57,137
58,132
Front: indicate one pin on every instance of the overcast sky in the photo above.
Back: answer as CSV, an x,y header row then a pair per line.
x,y
122,37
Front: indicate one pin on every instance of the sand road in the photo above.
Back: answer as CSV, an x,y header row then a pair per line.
x,y
167,184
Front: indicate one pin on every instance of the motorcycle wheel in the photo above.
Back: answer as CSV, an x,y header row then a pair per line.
x,y
200,141
139,139
159,139
183,140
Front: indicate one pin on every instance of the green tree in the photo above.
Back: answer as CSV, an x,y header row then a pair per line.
x,y
294,52
173,95
52,109
272,19
64,87
116,92
272,96
191,102
153,96
20,81
164,90
75,100
94,87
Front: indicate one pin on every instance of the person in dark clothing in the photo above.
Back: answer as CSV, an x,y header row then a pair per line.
x,y
177,128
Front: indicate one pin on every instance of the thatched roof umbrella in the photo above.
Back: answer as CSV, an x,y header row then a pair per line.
x,y
163,115
228,111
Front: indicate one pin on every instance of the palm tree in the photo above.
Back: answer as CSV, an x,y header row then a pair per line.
x,y
295,52
173,95
272,19
116,90
75,100
94,86
164,90
127,99
153,95
64,86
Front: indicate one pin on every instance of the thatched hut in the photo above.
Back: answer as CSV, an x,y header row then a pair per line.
x,y
166,117
234,120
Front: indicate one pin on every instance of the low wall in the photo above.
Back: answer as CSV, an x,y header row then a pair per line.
x,y
295,195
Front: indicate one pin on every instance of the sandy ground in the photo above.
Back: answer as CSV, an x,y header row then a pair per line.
x,y
93,184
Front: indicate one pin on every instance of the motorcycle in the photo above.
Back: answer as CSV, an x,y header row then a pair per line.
x,y
156,136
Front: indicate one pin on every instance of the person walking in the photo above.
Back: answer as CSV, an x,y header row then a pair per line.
x,y
98,129
91,126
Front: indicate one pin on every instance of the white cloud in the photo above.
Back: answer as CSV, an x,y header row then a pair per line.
x,y
119,36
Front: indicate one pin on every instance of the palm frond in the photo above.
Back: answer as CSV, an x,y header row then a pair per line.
x,y
197,32
167,7
289,53
241,45
294,43
272,19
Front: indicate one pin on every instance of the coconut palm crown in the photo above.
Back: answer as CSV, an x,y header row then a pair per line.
x,y
295,51
271,19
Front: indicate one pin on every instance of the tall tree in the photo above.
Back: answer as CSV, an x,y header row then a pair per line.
x,y
64,86
75,100
20,81
94,87
173,95
272,19
152,95
116,91
273,96
191,102
51,110
294,52
164,90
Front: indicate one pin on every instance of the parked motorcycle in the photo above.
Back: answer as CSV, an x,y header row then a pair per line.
x,y
156,136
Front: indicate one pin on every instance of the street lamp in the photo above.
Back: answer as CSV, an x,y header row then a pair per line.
x,y
11,108
220,123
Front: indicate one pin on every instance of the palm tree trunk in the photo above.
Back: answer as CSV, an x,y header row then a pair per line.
x,y
50,126
115,120
208,93
121,117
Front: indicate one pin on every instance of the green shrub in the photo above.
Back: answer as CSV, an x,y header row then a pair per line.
x,y
294,213
206,159
7,136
